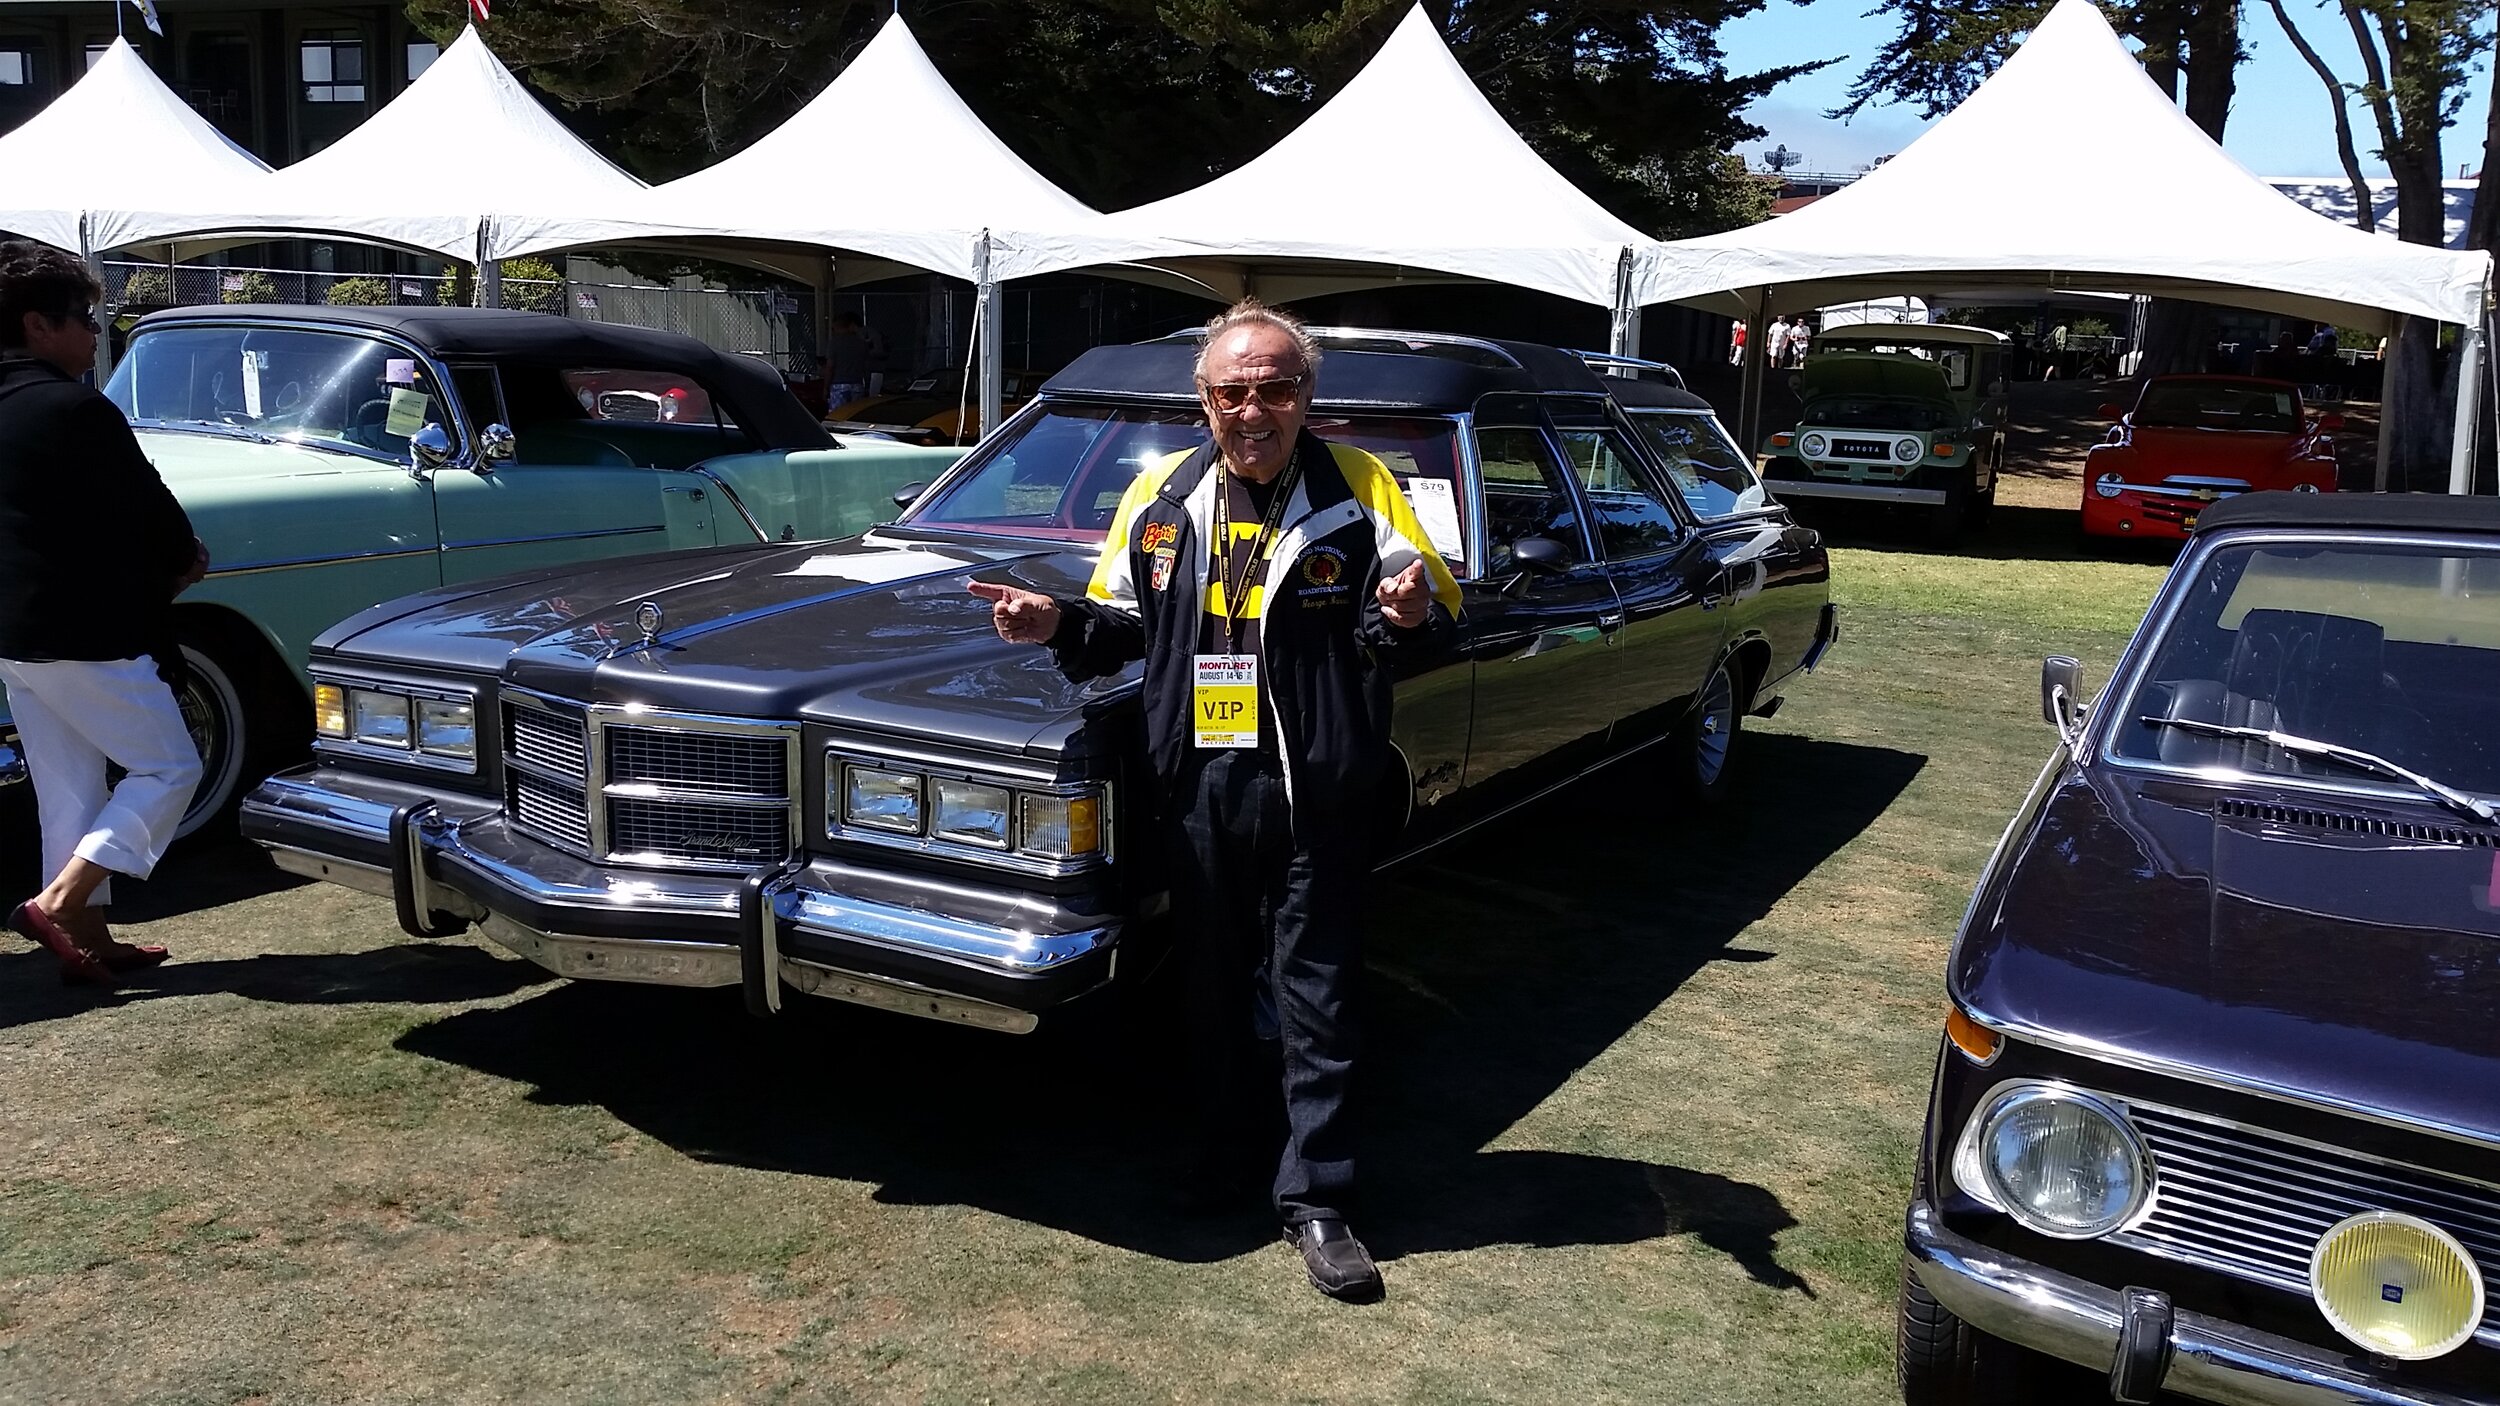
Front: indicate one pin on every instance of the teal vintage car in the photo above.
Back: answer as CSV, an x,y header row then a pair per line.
x,y
1910,414
336,457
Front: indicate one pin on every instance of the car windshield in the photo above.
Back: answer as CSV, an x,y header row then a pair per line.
x,y
2218,405
335,389
1715,477
2391,650
1877,412
1059,474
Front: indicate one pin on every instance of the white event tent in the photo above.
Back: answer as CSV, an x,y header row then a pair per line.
x,y
1407,168
117,129
2068,169
462,147
977,217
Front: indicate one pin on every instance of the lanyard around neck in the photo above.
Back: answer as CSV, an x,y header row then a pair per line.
x,y
1236,593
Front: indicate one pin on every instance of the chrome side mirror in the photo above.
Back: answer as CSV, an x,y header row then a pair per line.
x,y
496,444
2060,675
430,446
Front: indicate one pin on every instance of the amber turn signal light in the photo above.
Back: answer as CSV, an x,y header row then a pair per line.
x,y
1779,441
1943,451
1970,1037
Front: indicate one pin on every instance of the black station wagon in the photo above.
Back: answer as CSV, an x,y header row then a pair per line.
x,y
816,766
2218,1110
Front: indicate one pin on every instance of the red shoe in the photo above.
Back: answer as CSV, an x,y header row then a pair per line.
x,y
130,956
77,963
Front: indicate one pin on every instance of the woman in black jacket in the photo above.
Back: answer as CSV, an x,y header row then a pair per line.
x,y
93,549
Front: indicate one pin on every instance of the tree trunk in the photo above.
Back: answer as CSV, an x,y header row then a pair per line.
x,y
2483,231
2213,61
2364,205
2410,146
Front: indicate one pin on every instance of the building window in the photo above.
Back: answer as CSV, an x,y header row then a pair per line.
x,y
96,53
334,66
17,68
421,56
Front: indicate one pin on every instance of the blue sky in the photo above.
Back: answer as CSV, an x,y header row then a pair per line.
x,y
2280,124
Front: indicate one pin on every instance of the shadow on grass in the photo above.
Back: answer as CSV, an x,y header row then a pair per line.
x,y
1500,965
2014,533
408,973
204,872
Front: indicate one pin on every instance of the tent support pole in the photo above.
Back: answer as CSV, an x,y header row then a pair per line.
x,y
2387,406
103,343
992,315
489,271
1624,336
2469,398
1757,358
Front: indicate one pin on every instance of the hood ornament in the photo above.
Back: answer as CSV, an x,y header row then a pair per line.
x,y
648,619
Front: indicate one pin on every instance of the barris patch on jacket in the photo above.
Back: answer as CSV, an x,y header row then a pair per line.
x,y
1157,535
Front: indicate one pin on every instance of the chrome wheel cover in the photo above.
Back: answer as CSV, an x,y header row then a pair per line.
x,y
1715,730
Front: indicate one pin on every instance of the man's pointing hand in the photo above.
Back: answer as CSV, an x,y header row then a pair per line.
x,y
1024,617
1404,597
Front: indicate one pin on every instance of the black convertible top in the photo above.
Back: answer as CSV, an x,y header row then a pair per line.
x,y
2383,512
750,391
1429,380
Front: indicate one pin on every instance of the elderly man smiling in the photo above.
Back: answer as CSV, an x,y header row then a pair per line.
x,y
1266,578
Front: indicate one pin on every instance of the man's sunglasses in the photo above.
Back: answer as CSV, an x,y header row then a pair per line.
x,y
1277,393
84,317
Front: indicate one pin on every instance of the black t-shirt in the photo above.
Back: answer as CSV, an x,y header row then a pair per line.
x,y
1242,562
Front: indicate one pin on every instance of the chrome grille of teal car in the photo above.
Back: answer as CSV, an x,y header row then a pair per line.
x,y
2254,1204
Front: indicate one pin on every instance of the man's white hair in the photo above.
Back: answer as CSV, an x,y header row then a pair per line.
x,y
1250,312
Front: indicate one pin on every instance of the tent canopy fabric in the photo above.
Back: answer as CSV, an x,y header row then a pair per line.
x,y
118,130
2068,170
1408,167
388,179
764,194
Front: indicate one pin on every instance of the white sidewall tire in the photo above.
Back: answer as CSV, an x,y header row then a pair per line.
x,y
210,698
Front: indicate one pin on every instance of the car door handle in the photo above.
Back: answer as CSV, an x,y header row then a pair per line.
x,y
1710,599
1611,621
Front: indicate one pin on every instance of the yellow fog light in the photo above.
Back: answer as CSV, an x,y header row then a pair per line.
x,y
329,710
2397,1285
1062,827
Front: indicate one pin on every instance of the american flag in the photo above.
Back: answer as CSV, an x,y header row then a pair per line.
x,y
477,10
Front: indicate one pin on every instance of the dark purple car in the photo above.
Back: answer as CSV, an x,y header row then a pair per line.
x,y
2218,1110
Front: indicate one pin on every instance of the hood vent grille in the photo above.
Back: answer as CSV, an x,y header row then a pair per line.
x,y
2343,822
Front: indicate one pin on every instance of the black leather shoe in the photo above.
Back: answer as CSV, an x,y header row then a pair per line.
x,y
1339,1266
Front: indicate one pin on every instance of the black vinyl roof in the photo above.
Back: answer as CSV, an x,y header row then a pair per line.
x,y
2384,512
1651,395
1348,379
752,392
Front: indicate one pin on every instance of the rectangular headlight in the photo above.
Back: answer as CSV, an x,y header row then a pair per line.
x,y
329,710
447,729
378,719
1062,827
881,800
970,813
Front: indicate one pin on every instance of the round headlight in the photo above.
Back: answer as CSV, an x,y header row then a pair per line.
x,y
1813,445
2304,488
1909,451
2062,1162
2397,1285
2110,485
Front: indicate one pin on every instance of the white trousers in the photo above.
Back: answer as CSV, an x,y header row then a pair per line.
x,y
75,715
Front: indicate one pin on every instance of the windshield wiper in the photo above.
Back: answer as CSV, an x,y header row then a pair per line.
x,y
206,427
2481,810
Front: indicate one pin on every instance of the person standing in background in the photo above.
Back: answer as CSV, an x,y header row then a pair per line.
x,y
1777,339
93,550
846,362
1736,342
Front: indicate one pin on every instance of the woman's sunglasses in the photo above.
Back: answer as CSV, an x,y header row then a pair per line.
x,y
1277,393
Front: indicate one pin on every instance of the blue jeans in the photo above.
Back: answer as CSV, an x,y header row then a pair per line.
x,y
1255,907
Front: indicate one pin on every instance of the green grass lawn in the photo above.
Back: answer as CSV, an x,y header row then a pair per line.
x,y
1643,1100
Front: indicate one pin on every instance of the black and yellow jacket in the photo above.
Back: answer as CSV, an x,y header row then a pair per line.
x,y
1325,649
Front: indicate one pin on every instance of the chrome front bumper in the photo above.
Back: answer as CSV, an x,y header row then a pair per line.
x,y
1785,488
447,863
2209,1359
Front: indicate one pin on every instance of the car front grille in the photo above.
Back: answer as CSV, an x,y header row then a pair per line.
x,y
671,790
1877,449
2253,1204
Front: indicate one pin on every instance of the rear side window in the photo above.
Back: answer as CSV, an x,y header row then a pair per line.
x,y
1715,478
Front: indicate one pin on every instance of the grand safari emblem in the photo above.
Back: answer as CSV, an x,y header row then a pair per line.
x,y
648,617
